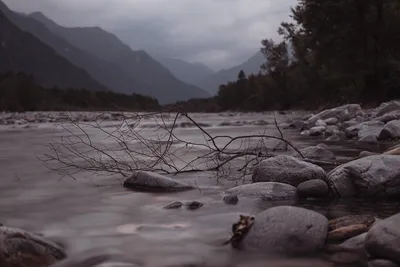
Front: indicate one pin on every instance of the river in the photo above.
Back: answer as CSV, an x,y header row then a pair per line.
x,y
95,211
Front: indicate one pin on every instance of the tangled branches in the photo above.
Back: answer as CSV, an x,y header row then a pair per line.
x,y
164,146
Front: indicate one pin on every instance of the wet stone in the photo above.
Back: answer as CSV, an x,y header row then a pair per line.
x,y
231,199
193,205
173,205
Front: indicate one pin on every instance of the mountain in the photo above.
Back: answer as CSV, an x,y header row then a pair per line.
x,y
22,52
251,66
154,78
191,73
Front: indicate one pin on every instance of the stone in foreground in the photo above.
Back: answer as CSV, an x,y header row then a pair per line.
x,y
287,230
154,182
348,220
372,176
264,190
347,232
313,189
287,169
19,248
383,239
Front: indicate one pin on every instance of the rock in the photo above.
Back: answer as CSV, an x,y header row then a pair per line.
x,y
313,189
342,113
20,248
264,190
306,132
316,152
381,263
390,131
287,230
318,130
331,130
387,107
193,205
331,121
347,232
364,129
286,169
372,176
334,138
390,116
319,123
298,124
393,151
370,128
364,154
369,139
173,205
356,242
348,220
383,239
85,259
154,182
231,199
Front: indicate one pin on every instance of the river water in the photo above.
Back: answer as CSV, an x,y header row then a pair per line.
x,y
95,211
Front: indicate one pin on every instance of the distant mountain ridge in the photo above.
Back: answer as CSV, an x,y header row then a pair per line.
x,y
22,52
251,66
191,73
152,77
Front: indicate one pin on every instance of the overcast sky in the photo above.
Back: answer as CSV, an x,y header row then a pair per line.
x,y
219,33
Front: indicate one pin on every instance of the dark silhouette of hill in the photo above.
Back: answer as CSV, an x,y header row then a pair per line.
x,y
154,78
22,52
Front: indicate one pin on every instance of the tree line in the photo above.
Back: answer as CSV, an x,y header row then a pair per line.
x,y
332,52
19,92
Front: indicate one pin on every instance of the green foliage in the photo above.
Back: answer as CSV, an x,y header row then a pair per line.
x,y
334,52
19,92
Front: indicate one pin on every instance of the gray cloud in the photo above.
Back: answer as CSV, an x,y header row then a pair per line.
x,y
219,33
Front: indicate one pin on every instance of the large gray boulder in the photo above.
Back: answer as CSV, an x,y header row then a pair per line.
x,y
372,176
365,129
286,169
24,249
264,190
383,239
154,182
287,230
342,113
390,131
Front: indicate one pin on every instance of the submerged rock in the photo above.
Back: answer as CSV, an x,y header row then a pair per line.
x,y
24,249
287,230
317,130
372,176
313,189
318,152
286,169
173,205
154,182
264,190
383,239
193,205
231,199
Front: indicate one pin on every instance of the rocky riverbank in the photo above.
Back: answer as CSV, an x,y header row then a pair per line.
x,y
285,230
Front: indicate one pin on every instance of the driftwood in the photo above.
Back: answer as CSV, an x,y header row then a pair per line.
x,y
129,148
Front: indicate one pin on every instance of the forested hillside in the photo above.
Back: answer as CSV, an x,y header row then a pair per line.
x,y
344,51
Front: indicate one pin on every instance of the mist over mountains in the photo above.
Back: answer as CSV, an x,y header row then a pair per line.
x,y
95,59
